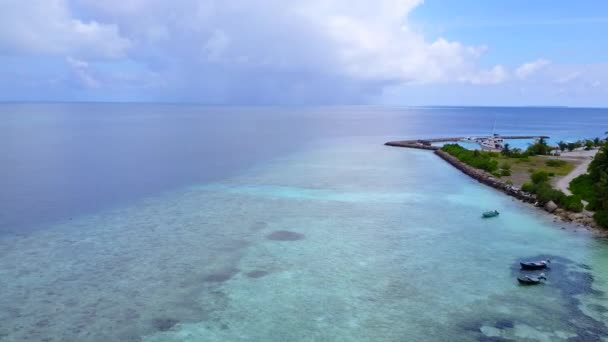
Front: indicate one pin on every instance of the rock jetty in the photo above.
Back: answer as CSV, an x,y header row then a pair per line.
x,y
487,178
582,219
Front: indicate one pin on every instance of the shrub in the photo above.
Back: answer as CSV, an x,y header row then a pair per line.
x,y
539,177
601,217
572,203
545,193
505,172
529,187
505,166
476,159
591,206
583,186
555,163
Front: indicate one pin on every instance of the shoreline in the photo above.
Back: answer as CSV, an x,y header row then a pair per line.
x,y
581,219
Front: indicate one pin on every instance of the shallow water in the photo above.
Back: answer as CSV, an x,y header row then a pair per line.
x,y
346,240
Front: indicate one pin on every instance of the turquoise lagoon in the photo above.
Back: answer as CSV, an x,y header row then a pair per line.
x,y
344,240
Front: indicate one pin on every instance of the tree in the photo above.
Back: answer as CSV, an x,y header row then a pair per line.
x,y
562,145
506,150
588,144
597,142
598,172
599,164
540,147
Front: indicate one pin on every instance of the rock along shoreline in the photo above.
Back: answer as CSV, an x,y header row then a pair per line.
x,y
582,219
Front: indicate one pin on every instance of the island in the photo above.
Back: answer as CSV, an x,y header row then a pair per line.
x,y
569,180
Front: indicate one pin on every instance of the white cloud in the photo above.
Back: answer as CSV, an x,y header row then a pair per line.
x,y
82,73
375,42
48,27
354,39
528,69
268,51
569,77
495,75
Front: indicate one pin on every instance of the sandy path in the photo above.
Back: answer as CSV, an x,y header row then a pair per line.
x,y
564,182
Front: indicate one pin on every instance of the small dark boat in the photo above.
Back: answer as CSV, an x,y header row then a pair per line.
x,y
535,265
529,280
489,214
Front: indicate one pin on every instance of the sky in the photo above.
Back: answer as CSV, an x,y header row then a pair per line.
x,y
306,52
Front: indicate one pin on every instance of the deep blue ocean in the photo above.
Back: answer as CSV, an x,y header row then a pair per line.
x,y
61,160
131,222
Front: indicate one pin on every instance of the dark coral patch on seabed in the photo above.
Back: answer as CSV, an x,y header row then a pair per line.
x,y
256,274
164,324
284,235
221,275
572,280
504,324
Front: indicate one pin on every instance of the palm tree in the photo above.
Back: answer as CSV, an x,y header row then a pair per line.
x,y
506,151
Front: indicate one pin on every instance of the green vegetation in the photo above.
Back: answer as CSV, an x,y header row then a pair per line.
x,y
537,163
539,177
593,187
583,186
538,148
511,162
545,192
601,217
587,143
597,142
477,159
538,168
555,163
598,172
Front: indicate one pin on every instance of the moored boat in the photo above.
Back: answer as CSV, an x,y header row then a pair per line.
x,y
530,280
489,214
535,265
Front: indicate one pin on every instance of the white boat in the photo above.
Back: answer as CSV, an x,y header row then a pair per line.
x,y
492,143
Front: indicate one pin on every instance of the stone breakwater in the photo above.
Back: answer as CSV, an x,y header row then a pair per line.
x,y
583,219
426,144
486,178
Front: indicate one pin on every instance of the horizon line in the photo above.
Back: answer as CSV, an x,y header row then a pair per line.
x,y
186,103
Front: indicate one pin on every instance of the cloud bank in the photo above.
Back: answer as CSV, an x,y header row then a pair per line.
x,y
231,51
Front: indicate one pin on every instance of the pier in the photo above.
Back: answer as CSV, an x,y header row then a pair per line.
x,y
427,144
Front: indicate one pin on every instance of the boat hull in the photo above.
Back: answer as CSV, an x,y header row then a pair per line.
x,y
526,281
532,266
489,214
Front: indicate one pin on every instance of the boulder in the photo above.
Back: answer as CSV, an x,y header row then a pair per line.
x,y
550,206
576,216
